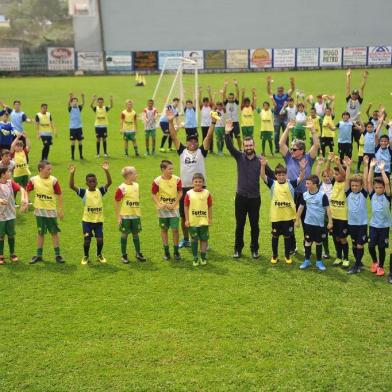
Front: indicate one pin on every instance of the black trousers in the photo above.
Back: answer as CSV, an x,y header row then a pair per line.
x,y
247,206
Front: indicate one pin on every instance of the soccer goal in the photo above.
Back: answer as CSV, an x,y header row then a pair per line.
x,y
178,79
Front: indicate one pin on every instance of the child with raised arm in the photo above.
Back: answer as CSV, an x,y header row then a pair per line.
x,y
7,131
380,221
101,122
282,208
206,108
231,103
198,217
92,220
19,154
75,124
219,114
46,209
356,195
45,128
127,208
8,189
190,123
150,115
166,194
247,113
128,127
327,131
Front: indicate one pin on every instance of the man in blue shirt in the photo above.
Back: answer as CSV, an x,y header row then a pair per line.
x,y
280,120
75,124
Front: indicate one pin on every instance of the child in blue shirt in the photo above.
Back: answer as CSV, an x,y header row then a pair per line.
x,y
7,132
317,204
190,118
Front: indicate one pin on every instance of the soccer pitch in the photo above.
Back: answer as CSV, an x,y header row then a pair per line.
x,y
168,326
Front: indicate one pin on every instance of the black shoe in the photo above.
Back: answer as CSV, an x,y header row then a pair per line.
x,y
390,279
36,259
81,158
166,256
140,257
293,252
354,270
177,256
124,259
60,260
255,254
361,266
237,254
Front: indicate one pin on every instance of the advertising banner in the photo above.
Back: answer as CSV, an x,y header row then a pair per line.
x,y
118,61
284,58
61,59
260,58
90,61
170,64
379,55
146,61
9,59
214,59
237,59
307,57
330,57
197,55
354,56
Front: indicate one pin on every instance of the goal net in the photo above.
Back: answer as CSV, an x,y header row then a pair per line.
x,y
178,79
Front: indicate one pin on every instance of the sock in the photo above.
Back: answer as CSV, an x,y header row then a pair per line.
x,y
99,246
373,254
86,246
123,242
57,251
104,147
381,257
39,252
170,142
2,247
148,150
203,255
166,249
163,141
308,249
287,246
270,146
319,251
345,250
358,257
175,249
355,250
338,248
194,245
275,243
326,246
73,151
98,147
81,150
136,242
11,244
263,147
136,150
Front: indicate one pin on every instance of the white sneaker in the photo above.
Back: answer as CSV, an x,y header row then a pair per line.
x,y
106,155
97,156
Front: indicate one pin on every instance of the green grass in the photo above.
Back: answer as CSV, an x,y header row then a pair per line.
x,y
166,326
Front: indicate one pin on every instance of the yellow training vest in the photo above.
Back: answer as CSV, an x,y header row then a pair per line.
x,y
316,124
45,198
44,122
198,208
167,193
326,132
338,203
128,120
247,118
130,203
282,203
101,116
93,206
21,166
266,121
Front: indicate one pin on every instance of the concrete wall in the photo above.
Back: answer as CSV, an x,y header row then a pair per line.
x,y
229,24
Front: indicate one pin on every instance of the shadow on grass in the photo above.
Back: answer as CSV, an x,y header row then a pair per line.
x,y
105,268
19,266
211,267
52,266
143,266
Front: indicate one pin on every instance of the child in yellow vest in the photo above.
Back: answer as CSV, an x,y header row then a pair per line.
x,y
198,216
92,221
129,126
127,207
46,210
266,126
45,130
327,131
166,194
247,113
19,153
101,123
282,210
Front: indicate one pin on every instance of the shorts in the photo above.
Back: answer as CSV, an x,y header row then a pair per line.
x,y
340,228
327,142
165,127
76,134
236,129
92,229
358,234
128,226
22,180
200,233
356,135
266,135
129,136
284,228
191,131
220,132
314,233
101,132
47,140
169,223
45,224
345,149
247,131
150,132
379,237
5,147
7,228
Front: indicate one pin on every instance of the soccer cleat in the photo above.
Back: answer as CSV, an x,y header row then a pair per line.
x,y
36,259
355,269
203,262
195,262
337,262
220,153
106,155
82,158
2,261
320,265
237,254
293,251
162,150
177,256
60,260
101,259
326,256
255,254
166,256
374,267
380,271
274,260
184,243
140,257
14,258
345,264
288,260
85,260
305,264
124,259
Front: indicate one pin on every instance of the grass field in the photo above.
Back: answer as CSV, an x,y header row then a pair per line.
x,y
167,326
